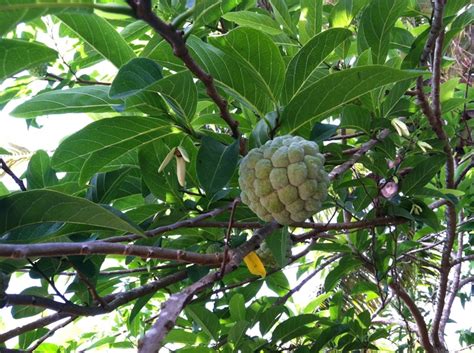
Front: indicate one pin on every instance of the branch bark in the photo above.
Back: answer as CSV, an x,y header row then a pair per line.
x,y
152,340
22,251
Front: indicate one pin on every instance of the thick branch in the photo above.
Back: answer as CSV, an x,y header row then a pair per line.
x,y
22,251
171,309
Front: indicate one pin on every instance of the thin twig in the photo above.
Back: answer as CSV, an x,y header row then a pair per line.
x,y
300,285
49,334
227,236
7,170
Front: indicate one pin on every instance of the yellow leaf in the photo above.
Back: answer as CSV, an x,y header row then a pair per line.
x,y
255,265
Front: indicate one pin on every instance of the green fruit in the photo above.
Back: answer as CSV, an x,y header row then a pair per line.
x,y
284,180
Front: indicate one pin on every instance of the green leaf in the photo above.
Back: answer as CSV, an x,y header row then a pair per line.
x,y
291,327
14,12
320,132
375,26
327,335
205,319
3,189
135,76
269,317
86,99
208,11
311,18
232,76
335,90
216,164
303,65
278,244
100,143
422,174
18,55
237,307
346,265
139,304
237,331
356,117
39,173
180,92
101,36
255,20
283,16
344,12
40,206
255,50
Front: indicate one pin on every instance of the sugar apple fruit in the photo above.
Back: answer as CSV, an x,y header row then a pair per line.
x,y
284,180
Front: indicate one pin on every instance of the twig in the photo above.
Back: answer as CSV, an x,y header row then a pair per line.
x,y
362,150
227,236
7,170
90,287
44,321
462,259
300,285
49,334
175,38
452,289
163,229
49,280
78,80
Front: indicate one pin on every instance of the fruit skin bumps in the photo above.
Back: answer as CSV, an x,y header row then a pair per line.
x,y
284,180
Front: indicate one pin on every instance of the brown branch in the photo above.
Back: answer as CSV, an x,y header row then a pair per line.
x,y
465,281
420,321
452,289
90,286
113,300
49,334
78,80
346,136
6,169
367,223
163,229
462,259
44,321
300,285
356,156
22,251
227,235
151,341
175,38
436,27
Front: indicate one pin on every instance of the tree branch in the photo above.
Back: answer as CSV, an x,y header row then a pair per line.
x,y
22,251
300,285
175,38
113,300
6,169
151,341
163,229
356,156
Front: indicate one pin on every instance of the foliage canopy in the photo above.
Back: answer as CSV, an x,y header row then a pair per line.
x,y
137,216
